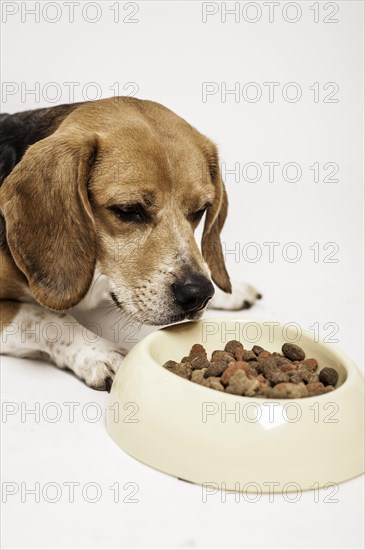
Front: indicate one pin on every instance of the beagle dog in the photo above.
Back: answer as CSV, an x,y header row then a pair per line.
x,y
109,190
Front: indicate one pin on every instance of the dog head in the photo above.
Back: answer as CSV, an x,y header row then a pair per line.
x,y
120,186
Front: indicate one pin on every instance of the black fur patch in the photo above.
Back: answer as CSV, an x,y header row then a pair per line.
x,y
20,130
17,133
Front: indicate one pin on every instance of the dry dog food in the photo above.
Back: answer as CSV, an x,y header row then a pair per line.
x,y
256,372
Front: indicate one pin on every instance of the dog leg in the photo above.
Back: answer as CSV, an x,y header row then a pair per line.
x,y
243,297
29,330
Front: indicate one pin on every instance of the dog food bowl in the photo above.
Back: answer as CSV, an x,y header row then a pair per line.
x,y
224,441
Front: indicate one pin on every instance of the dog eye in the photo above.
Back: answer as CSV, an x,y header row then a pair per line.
x,y
129,213
196,216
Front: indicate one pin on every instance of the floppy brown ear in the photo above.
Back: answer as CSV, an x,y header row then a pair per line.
x,y
214,221
49,223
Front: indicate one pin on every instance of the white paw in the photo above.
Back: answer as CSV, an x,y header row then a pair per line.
x,y
243,297
96,364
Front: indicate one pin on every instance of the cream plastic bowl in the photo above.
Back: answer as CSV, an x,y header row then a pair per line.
x,y
225,441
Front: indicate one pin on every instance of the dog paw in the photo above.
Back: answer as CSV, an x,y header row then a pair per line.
x,y
96,366
243,297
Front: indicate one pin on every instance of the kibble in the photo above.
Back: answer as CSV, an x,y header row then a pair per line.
x,y
289,390
261,358
240,384
232,345
315,388
214,383
198,376
181,369
312,364
295,377
216,368
307,374
257,350
256,372
232,368
219,355
249,355
328,376
282,361
199,362
293,352
198,349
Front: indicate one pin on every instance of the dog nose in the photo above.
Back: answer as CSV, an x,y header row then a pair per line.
x,y
193,292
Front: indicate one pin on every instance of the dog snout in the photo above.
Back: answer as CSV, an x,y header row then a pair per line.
x,y
193,292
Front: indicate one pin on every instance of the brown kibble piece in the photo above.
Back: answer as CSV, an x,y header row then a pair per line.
x,y
293,352
287,367
295,377
216,368
198,376
252,373
240,384
289,390
249,355
328,376
257,350
233,367
264,391
314,386
219,355
214,383
263,381
198,349
243,365
170,364
311,364
199,362
277,377
307,374
231,346
181,369
267,362
263,355
280,360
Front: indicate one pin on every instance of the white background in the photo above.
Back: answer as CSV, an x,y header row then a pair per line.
x,y
169,53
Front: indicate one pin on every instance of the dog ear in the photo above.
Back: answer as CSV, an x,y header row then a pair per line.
x,y
214,221
49,222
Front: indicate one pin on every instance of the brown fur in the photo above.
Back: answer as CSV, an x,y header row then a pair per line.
x,y
55,202
13,286
8,312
